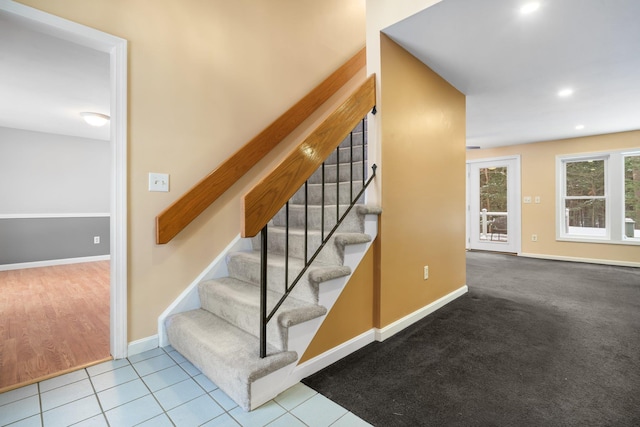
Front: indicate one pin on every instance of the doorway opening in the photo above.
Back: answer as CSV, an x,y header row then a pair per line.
x,y
493,205
116,49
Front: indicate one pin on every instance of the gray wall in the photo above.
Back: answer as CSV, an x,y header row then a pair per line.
x,y
54,195
43,173
44,239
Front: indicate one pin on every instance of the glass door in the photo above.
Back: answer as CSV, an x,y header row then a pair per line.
x,y
493,217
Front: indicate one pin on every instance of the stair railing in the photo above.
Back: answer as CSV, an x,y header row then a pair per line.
x,y
192,203
265,314
269,196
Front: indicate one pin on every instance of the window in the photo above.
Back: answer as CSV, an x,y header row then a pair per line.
x,y
585,200
599,197
632,196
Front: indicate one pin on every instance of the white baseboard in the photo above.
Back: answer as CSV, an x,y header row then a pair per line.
x,y
587,260
325,359
408,320
52,262
142,345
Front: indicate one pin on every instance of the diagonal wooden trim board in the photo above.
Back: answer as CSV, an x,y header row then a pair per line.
x,y
191,204
268,196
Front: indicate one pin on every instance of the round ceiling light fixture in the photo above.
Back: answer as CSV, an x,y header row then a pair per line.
x,y
529,7
563,93
95,119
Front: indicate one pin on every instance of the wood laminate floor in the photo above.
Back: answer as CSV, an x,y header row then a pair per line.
x,y
52,320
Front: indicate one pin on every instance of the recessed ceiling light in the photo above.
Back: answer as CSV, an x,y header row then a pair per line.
x,y
579,127
95,119
563,93
529,7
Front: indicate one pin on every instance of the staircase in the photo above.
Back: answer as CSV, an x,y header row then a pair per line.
x,y
221,337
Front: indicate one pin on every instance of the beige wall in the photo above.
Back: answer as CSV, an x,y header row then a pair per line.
x,y
380,15
423,185
538,162
423,202
205,77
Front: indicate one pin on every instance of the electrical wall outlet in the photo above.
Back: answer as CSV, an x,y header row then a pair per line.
x,y
534,237
426,272
96,240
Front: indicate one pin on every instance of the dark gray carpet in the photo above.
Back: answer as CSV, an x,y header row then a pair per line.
x,y
533,343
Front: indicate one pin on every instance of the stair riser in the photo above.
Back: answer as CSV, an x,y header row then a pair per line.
x,y
330,196
345,155
356,132
357,139
330,173
248,270
352,223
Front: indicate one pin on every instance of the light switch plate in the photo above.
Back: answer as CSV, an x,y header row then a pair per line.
x,y
527,199
158,181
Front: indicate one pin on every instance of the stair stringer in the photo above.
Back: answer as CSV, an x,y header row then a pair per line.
x,y
301,335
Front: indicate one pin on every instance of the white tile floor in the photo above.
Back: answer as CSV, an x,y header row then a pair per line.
x,y
158,388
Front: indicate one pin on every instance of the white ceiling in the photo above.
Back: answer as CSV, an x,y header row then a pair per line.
x,y
45,82
511,66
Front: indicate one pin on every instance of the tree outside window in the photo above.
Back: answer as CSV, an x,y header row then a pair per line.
x,y
585,200
632,196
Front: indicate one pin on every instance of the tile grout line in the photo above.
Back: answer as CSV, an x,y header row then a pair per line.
x,y
95,393
40,404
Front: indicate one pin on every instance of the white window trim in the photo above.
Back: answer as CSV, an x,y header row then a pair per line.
x,y
614,196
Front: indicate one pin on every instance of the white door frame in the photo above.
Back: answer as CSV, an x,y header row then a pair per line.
x,y
515,219
117,50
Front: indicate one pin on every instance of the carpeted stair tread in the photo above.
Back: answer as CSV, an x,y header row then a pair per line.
x,y
238,303
368,209
344,239
227,355
245,266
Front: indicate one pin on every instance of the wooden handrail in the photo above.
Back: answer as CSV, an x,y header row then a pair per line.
x,y
268,196
192,203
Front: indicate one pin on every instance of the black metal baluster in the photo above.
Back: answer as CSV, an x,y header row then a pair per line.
x,y
286,248
364,168
351,167
337,184
263,293
306,219
322,205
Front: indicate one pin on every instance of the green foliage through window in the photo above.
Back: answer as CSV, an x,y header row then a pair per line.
x,y
493,189
632,188
585,178
585,191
